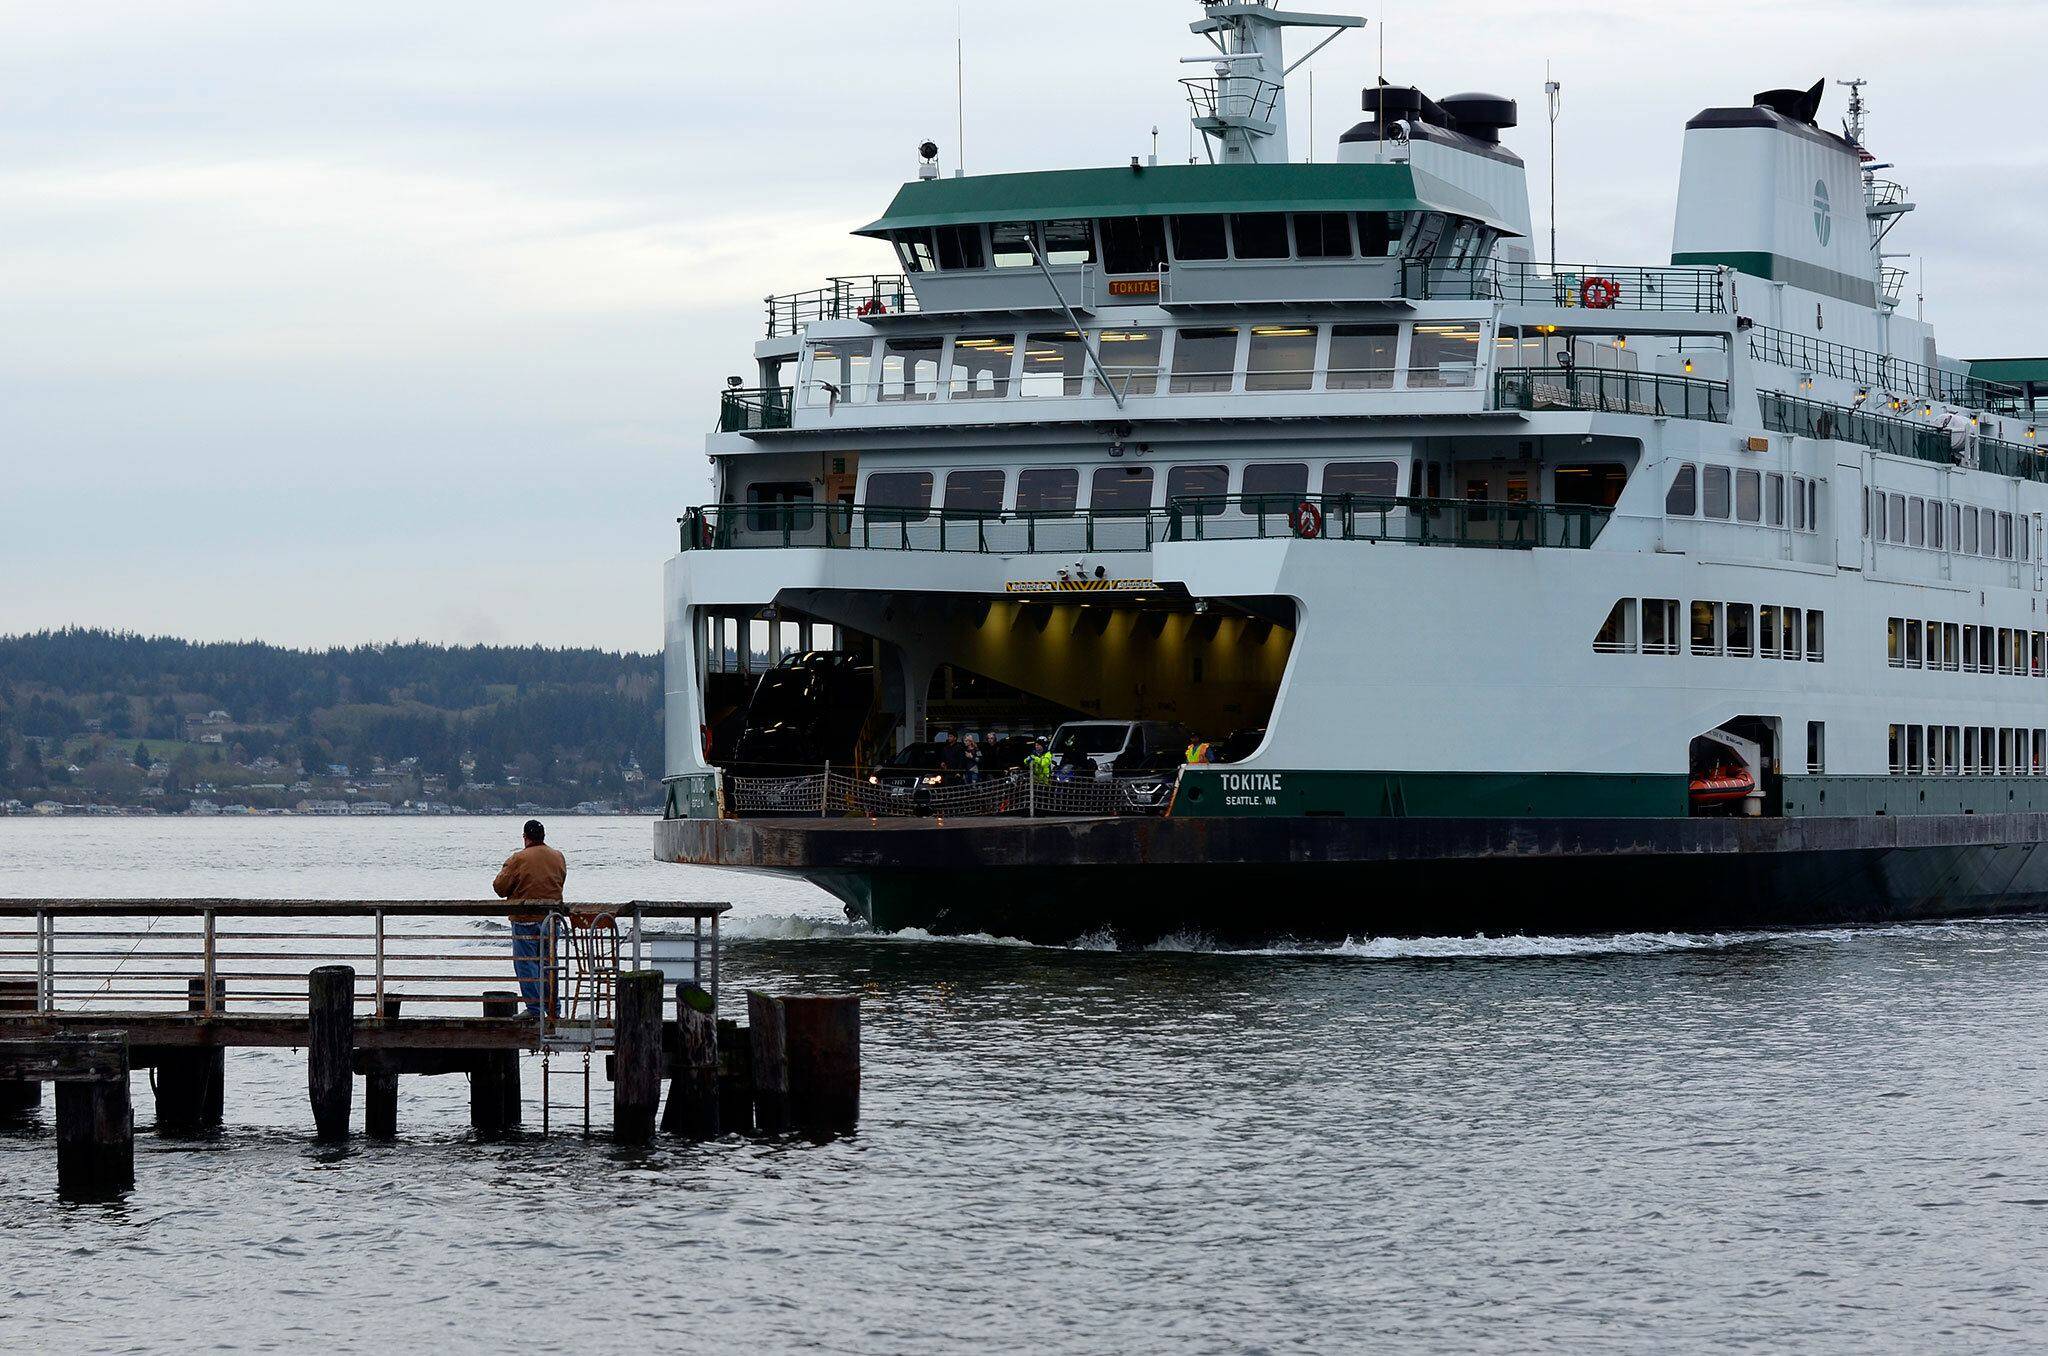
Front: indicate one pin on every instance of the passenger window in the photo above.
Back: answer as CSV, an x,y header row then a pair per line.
x,y
1895,517
1130,359
1798,503
1366,479
1934,517
1283,482
1969,536
1682,499
1774,500
1259,235
1047,490
981,366
1069,242
840,372
1916,521
2005,536
910,368
1010,244
1200,490
904,495
1283,358
975,491
1717,492
1598,484
1199,238
1133,244
1706,628
1121,489
1055,364
1443,355
1322,235
1613,636
1362,357
1748,496
1204,360
960,247
1741,629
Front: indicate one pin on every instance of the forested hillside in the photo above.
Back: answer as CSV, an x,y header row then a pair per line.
x,y
111,718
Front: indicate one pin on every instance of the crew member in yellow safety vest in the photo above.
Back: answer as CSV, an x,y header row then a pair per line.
x,y
1198,751
1040,763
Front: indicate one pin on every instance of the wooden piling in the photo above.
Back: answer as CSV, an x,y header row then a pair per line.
x,y
636,1088
821,1042
735,1078
331,1018
18,1096
768,1060
191,1089
95,1122
380,1089
692,1110
494,1086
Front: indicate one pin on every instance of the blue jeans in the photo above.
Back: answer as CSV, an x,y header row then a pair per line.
x,y
526,964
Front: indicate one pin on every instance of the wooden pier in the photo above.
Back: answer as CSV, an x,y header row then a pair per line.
x,y
91,991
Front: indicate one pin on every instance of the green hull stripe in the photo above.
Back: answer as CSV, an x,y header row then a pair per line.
x,y
1778,268
1216,791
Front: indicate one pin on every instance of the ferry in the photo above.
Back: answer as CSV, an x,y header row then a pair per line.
x,y
1369,570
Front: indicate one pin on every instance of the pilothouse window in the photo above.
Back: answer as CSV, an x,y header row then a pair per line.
x,y
1323,235
1133,244
1259,235
960,247
1199,238
1010,244
1069,242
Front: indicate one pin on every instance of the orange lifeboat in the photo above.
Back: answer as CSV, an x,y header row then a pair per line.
x,y
1722,785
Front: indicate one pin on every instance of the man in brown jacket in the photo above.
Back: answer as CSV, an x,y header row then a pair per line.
x,y
534,876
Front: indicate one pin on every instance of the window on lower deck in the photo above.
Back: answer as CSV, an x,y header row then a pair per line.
x,y
1363,479
1660,626
894,495
1121,489
1706,628
1274,486
1199,490
1748,496
1816,748
1596,484
1741,630
979,491
1895,518
1682,499
1048,490
1717,495
1614,635
1774,500
775,505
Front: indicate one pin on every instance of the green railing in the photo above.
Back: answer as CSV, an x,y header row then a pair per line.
x,y
1342,517
747,411
1878,372
1898,436
1608,391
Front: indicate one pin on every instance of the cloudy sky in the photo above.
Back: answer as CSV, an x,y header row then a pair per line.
x,y
329,322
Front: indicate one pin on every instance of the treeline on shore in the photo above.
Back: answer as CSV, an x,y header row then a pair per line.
x,y
115,718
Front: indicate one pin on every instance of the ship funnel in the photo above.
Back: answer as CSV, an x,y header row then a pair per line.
x,y
1766,190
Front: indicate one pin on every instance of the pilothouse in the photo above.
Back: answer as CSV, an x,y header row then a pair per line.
x,y
1151,540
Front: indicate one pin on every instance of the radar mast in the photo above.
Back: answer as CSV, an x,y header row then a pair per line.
x,y
1241,109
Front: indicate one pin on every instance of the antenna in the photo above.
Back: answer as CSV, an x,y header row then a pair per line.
x,y
1379,145
1854,127
959,97
1311,117
1553,92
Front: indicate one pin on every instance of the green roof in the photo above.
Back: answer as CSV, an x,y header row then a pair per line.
x,y
2010,371
1175,190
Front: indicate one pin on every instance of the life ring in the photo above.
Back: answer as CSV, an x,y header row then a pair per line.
x,y
1306,520
872,306
1599,293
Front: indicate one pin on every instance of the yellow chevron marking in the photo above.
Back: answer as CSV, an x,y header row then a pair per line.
x,y
1081,586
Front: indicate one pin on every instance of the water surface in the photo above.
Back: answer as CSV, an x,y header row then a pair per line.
x,y
1823,1141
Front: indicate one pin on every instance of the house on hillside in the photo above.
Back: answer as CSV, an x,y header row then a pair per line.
x,y
211,728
